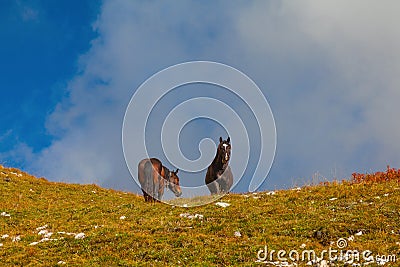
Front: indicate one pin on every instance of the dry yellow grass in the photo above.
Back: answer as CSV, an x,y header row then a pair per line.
x,y
312,217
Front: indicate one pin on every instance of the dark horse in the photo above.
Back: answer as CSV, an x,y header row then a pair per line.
x,y
154,177
219,178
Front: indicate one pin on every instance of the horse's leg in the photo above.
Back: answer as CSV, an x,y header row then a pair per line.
x,y
149,184
160,188
156,184
145,196
229,179
213,187
226,180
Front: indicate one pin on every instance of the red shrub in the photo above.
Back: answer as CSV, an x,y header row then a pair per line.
x,y
378,177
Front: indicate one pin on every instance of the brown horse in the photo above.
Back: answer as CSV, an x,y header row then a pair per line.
x,y
219,177
153,177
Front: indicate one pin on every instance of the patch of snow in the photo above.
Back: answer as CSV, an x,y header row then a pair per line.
x,y
238,234
303,245
5,214
122,217
80,236
33,243
222,204
185,205
386,195
256,197
61,263
1,244
5,236
334,198
351,238
270,193
94,192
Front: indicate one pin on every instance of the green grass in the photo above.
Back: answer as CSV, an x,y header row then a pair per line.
x,y
156,235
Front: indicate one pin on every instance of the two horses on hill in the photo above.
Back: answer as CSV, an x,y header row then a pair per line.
x,y
154,177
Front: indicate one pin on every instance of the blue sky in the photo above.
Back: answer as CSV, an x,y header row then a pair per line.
x,y
328,70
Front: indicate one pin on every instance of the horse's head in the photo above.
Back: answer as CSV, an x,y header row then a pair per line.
x,y
173,183
224,149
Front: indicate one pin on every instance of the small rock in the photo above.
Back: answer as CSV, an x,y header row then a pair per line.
x,y
359,233
41,228
222,204
238,234
42,232
80,236
61,263
122,217
190,216
303,245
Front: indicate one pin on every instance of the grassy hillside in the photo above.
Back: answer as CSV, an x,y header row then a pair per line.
x,y
52,224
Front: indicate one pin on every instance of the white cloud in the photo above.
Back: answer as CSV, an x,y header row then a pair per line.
x,y
329,70
336,66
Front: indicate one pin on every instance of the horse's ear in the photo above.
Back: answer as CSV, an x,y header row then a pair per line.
x,y
228,140
176,171
220,139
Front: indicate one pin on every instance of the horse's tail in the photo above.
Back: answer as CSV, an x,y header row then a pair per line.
x,y
148,176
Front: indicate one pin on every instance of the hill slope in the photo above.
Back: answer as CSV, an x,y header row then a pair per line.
x,y
45,223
